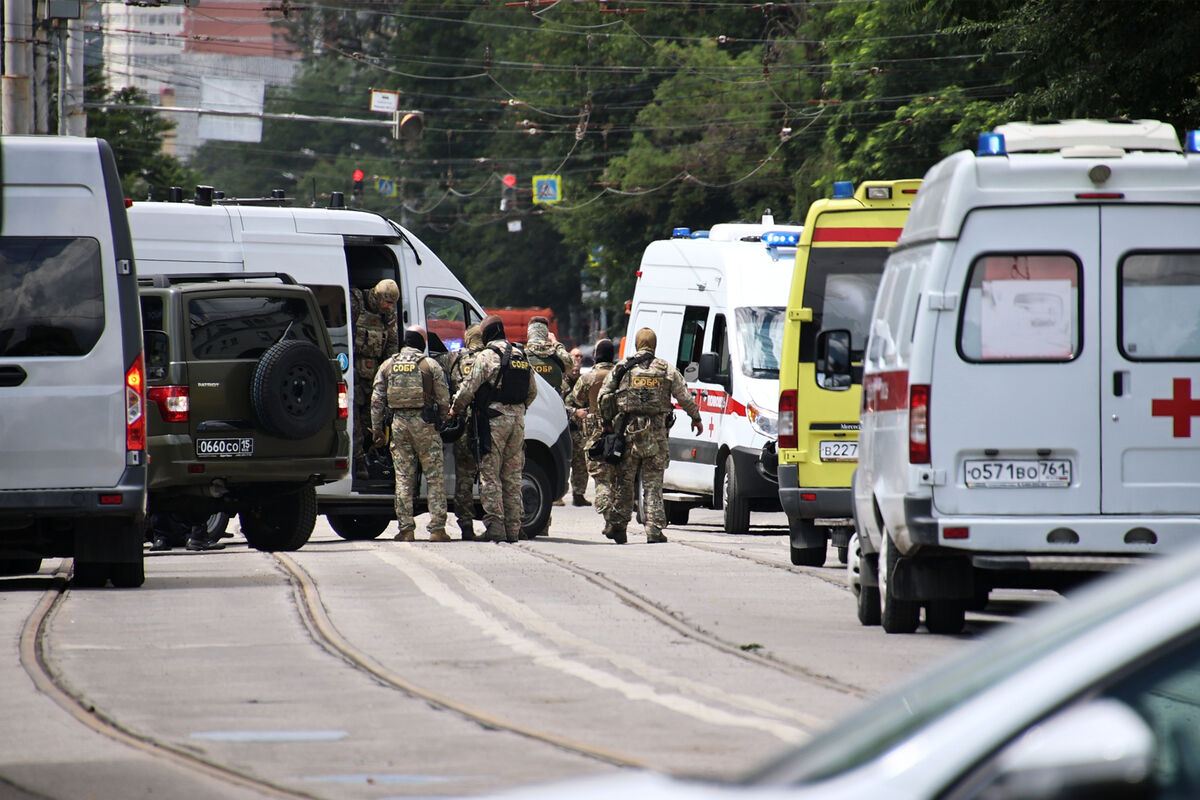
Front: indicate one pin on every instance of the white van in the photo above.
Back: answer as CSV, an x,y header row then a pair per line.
x,y
72,396
716,300
332,250
1031,376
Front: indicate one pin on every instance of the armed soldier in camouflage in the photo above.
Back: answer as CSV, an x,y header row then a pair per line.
x,y
638,391
457,365
583,405
414,387
579,467
504,378
373,320
550,359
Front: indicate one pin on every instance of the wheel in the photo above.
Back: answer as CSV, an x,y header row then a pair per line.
x,y
944,616
735,507
639,499
216,525
127,574
807,556
89,574
358,527
866,596
294,390
896,616
20,566
535,497
677,513
281,523
979,600
843,555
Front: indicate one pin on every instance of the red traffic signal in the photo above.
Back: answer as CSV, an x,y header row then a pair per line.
x,y
358,175
510,180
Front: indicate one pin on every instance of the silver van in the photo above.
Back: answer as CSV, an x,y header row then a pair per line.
x,y
72,422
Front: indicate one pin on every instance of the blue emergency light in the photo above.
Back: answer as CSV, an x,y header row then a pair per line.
x,y
1191,142
699,234
843,190
681,233
991,144
781,238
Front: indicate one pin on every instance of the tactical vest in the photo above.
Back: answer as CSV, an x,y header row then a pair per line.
x,y
597,384
460,368
645,389
549,367
407,382
370,333
513,377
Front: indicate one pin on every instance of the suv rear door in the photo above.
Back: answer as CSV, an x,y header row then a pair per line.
x,y
1150,360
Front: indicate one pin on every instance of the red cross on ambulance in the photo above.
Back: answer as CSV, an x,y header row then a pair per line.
x,y
1181,407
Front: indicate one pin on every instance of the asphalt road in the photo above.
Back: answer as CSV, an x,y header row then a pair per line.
x,y
383,669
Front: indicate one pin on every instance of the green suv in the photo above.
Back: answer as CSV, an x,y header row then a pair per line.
x,y
247,407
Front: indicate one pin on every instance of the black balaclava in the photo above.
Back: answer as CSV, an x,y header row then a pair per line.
x,y
414,339
604,351
492,328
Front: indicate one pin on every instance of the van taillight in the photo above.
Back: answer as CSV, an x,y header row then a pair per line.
x,y
172,401
918,423
343,401
787,419
135,406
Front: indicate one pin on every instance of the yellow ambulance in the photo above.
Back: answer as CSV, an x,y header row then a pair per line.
x,y
839,261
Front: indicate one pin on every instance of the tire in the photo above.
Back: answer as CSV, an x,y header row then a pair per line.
x,y
843,555
896,616
536,499
89,574
127,574
216,524
866,596
281,523
736,509
677,513
20,566
358,527
294,390
945,616
808,556
639,500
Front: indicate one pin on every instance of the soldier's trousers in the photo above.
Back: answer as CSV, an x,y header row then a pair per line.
x,y
605,476
646,451
361,438
500,472
414,442
464,482
579,463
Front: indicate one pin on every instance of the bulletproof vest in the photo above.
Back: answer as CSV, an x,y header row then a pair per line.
x,y
407,382
645,389
597,384
460,368
549,367
513,377
370,333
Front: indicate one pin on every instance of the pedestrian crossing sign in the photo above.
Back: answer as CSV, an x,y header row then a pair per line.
x,y
547,188
386,187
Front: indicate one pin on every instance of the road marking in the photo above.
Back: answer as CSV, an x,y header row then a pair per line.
x,y
437,590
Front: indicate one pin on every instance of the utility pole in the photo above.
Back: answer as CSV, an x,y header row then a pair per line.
x,y
76,115
16,97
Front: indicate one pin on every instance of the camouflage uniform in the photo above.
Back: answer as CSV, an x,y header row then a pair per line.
x,y
579,460
642,397
553,362
457,366
408,383
584,395
500,469
375,338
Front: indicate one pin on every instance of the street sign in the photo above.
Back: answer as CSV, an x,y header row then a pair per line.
x,y
547,188
385,186
384,101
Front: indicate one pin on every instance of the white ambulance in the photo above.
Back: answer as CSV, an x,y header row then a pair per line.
x,y
333,250
1033,371
716,301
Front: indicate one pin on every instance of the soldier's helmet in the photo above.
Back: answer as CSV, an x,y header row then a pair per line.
x,y
387,290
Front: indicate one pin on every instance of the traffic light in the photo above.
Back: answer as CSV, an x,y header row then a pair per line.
x,y
508,195
356,190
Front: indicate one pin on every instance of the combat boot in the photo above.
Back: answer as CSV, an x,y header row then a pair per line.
x,y
618,534
579,500
160,543
468,531
654,536
494,532
438,536
514,537
405,536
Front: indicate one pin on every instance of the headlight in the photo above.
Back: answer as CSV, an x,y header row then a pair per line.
x,y
763,421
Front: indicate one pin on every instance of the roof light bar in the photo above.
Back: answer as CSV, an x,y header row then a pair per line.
x,y
991,144
843,190
1191,143
781,238
681,233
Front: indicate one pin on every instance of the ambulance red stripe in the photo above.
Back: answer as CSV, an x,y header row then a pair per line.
x,y
856,234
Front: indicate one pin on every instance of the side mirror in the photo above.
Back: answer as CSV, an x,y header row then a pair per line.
x,y
1101,748
710,364
833,362
158,353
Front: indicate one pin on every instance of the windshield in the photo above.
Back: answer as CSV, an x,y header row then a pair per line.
x,y
760,340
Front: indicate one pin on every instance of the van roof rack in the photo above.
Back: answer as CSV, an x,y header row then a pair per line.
x,y
1058,135
160,281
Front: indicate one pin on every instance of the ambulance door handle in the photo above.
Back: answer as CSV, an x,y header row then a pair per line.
x,y
1120,382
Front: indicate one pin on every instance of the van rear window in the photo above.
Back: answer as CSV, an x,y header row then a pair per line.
x,y
51,296
245,326
1021,307
1160,293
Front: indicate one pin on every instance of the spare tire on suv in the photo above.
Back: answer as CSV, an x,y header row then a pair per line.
x,y
247,405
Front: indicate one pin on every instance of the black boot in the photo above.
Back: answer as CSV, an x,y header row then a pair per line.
x,y
199,539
